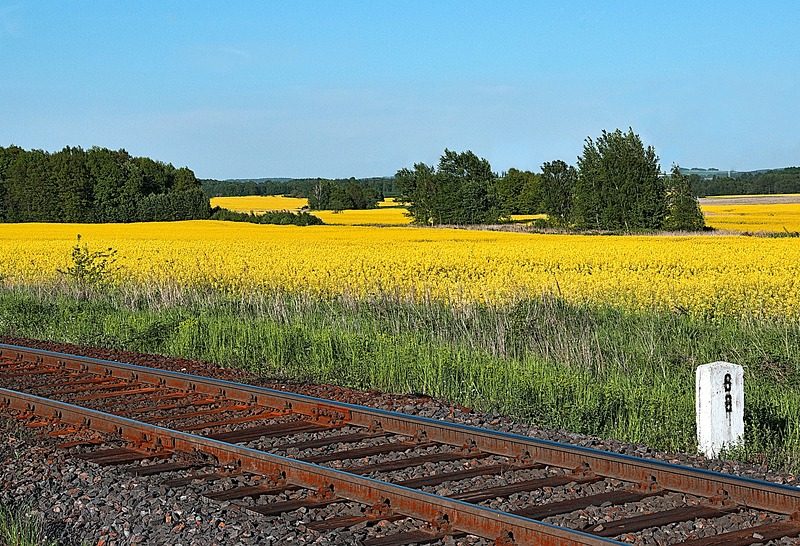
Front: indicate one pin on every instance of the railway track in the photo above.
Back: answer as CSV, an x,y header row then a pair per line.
x,y
293,451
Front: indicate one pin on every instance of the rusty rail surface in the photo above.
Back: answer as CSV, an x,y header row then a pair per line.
x,y
725,492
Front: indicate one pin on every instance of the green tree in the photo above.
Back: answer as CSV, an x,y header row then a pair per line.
x,y
683,209
518,192
71,176
185,179
557,186
7,157
418,190
100,185
338,195
109,171
32,195
460,190
619,184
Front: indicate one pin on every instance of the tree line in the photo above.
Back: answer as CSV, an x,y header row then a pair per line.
x,y
279,217
322,193
616,185
95,185
768,182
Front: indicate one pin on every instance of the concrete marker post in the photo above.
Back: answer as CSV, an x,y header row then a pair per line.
x,y
719,406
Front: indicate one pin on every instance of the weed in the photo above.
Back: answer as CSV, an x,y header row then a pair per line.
x,y
89,270
22,526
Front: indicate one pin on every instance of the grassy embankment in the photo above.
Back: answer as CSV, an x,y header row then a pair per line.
x,y
620,374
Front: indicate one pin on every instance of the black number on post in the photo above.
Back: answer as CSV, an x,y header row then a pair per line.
x,y
727,383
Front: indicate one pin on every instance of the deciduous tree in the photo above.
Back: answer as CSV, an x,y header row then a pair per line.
x,y
619,184
557,186
683,209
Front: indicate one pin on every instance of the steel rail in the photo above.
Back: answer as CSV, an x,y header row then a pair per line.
x,y
746,492
461,516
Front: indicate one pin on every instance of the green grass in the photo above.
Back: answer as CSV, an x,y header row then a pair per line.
x,y
19,526
600,371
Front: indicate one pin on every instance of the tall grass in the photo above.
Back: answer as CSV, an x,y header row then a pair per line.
x,y
19,526
597,370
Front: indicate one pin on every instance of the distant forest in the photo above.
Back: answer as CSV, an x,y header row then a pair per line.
x,y
741,183
102,185
96,185
322,193
767,182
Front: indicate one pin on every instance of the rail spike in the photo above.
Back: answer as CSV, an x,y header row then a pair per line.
x,y
326,491
584,470
328,416
506,538
278,478
649,485
420,437
470,446
380,509
441,523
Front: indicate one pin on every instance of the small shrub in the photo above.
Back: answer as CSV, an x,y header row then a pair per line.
x,y
90,270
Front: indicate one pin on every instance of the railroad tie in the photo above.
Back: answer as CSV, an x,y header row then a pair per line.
x,y
479,495
107,457
657,519
399,464
366,451
186,480
154,469
459,475
753,535
266,431
261,416
331,524
617,497
411,537
277,508
249,491
331,440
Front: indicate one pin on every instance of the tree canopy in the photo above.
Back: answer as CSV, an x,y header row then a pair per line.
x,y
459,190
683,209
557,189
96,185
322,193
619,184
329,195
768,182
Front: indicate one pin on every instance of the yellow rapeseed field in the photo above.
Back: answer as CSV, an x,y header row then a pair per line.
x,y
384,215
366,217
701,275
527,217
773,217
259,203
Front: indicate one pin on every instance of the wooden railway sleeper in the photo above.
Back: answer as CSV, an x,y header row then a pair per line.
x,y
380,511
437,529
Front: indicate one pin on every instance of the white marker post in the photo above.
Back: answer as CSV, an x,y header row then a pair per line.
x,y
719,403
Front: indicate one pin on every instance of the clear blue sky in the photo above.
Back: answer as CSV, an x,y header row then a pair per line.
x,y
341,88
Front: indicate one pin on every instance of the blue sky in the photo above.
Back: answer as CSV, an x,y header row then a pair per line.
x,y
345,88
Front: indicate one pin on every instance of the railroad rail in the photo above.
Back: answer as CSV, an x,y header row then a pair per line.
x,y
194,422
